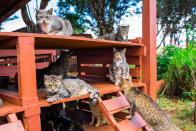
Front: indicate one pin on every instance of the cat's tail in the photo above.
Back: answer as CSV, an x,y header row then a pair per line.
x,y
94,98
69,29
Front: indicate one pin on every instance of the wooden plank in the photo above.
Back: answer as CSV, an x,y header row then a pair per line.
x,y
131,51
12,126
12,117
42,65
13,53
116,104
43,41
10,108
8,70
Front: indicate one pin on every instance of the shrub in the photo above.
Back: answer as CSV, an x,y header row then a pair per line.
x,y
178,78
163,60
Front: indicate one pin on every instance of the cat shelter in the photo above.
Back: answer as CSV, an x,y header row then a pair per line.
x,y
20,52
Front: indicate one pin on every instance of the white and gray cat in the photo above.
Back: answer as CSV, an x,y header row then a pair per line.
x,y
121,35
119,68
58,88
53,25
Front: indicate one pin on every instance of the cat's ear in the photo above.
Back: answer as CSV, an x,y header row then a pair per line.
x,y
36,10
59,77
50,10
46,77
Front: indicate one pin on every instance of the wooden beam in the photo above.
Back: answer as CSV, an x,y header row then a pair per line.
x,y
149,40
12,9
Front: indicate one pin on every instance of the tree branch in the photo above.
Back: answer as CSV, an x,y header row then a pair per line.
x,y
25,16
43,4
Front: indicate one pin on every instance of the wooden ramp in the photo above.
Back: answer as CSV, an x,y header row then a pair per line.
x,y
112,106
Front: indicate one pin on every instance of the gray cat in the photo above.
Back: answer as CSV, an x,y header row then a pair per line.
x,y
58,88
121,35
53,25
119,68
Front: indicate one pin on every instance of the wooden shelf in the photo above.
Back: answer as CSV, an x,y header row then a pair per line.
x,y
43,41
10,108
103,88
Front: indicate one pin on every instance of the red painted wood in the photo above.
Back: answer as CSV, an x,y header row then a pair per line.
x,y
26,74
12,126
10,108
149,40
12,117
116,104
43,41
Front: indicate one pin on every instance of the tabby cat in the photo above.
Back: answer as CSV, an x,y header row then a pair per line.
x,y
150,111
60,67
55,89
58,88
119,68
96,113
121,35
53,25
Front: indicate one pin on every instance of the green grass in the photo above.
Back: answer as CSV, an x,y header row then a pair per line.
x,y
180,111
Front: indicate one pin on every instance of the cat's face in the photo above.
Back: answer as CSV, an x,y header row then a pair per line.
x,y
52,83
126,83
42,16
123,30
119,54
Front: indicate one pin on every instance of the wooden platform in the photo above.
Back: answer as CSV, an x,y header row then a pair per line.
x,y
10,108
43,41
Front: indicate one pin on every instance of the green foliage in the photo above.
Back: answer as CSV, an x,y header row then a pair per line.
x,y
163,60
99,16
178,78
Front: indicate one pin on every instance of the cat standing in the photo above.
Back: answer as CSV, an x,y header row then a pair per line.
x,y
53,25
121,35
96,113
150,111
119,68
58,88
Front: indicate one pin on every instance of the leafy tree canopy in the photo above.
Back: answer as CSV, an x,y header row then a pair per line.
x,y
97,15
174,16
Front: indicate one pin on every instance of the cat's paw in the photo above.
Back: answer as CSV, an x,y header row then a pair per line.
x,y
91,123
97,125
129,117
50,100
116,83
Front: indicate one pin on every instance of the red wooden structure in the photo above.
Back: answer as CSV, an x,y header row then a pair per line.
x,y
93,59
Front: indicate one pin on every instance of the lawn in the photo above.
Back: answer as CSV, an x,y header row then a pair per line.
x,y
180,111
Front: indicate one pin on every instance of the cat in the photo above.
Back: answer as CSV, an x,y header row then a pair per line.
x,y
121,35
53,25
33,28
119,68
58,88
96,113
150,111
60,67
54,88
53,120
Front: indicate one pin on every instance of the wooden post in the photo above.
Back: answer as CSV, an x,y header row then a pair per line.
x,y
26,71
149,40
27,82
